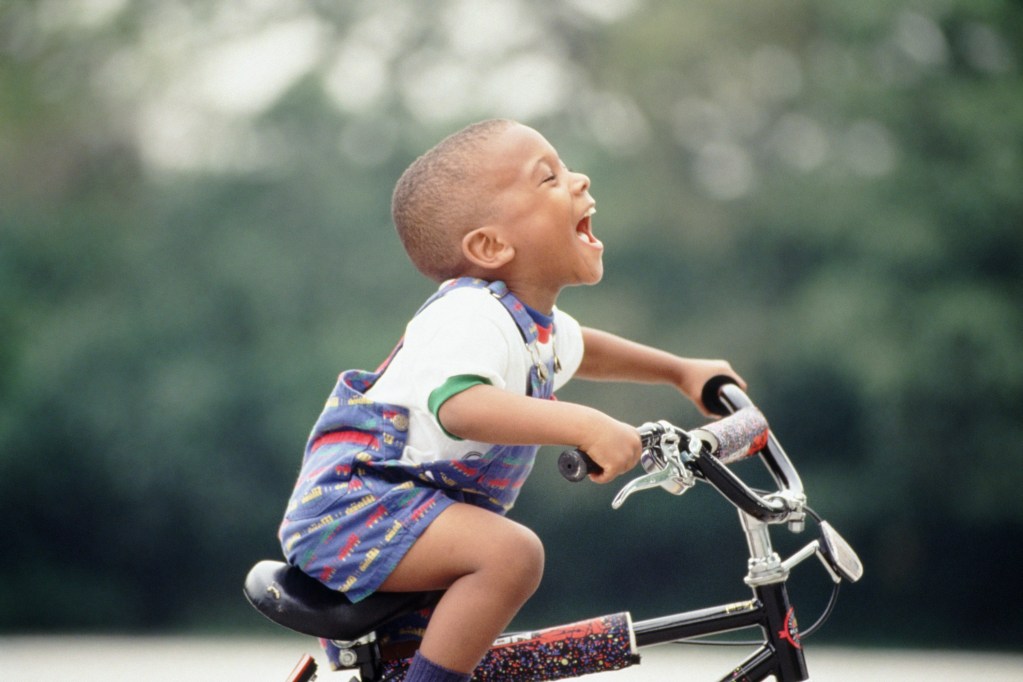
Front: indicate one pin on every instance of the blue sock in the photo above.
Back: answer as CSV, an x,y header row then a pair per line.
x,y
423,669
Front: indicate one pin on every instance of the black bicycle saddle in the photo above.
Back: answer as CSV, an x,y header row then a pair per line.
x,y
289,597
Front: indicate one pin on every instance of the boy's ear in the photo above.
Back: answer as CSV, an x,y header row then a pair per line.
x,y
486,247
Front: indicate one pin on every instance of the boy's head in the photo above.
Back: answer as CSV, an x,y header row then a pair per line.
x,y
495,201
442,196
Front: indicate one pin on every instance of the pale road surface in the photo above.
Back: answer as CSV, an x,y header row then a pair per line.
x,y
218,659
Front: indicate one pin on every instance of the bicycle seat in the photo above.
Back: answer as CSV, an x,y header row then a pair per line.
x,y
289,597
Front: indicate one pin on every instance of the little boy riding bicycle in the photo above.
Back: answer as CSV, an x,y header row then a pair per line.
x,y
410,469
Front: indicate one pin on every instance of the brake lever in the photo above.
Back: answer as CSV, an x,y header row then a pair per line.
x,y
645,482
664,464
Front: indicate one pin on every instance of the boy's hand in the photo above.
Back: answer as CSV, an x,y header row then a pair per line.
x,y
697,373
615,446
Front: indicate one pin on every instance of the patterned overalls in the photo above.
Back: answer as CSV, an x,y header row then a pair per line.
x,y
357,508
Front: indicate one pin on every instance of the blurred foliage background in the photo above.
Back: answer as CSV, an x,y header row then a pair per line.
x,y
195,239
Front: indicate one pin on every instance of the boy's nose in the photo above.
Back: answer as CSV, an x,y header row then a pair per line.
x,y
580,181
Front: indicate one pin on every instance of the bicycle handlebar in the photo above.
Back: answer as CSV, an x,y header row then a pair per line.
x,y
730,439
733,398
744,432
735,437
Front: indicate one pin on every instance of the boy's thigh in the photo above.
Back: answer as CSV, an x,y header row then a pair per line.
x,y
463,539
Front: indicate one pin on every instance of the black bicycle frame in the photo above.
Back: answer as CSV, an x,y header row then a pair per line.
x,y
780,655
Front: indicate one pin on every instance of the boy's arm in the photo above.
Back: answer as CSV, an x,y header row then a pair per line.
x,y
492,415
611,358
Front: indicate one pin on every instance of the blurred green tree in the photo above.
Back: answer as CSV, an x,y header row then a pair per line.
x,y
194,236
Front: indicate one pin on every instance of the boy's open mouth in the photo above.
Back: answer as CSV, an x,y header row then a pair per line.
x,y
584,229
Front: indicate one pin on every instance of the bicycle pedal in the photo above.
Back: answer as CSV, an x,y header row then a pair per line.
x,y
304,671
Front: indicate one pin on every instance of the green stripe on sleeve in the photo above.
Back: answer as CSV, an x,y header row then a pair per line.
x,y
452,387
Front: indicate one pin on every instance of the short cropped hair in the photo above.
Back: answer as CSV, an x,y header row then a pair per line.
x,y
441,197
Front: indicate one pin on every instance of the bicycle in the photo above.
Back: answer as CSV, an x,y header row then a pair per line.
x,y
674,460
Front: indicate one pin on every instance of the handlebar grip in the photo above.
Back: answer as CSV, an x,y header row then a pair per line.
x,y
710,396
575,465
742,434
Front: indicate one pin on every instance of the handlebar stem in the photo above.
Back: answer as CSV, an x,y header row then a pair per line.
x,y
765,566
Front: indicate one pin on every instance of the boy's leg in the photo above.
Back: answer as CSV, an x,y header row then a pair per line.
x,y
489,566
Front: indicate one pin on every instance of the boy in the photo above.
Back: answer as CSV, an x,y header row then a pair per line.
x,y
409,470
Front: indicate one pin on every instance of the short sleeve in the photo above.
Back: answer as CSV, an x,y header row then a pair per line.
x,y
462,345
464,333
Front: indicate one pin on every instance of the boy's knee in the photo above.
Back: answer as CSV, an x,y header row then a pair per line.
x,y
525,554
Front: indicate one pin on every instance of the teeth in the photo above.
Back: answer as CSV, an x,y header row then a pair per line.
x,y
592,211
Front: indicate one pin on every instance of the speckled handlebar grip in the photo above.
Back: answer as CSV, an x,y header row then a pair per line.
x,y
739,435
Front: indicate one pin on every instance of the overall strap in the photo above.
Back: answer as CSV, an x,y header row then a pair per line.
x,y
540,383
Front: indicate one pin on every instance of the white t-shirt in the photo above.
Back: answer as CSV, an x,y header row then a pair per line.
x,y
466,332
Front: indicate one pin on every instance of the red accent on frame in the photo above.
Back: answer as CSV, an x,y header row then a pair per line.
x,y
790,633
